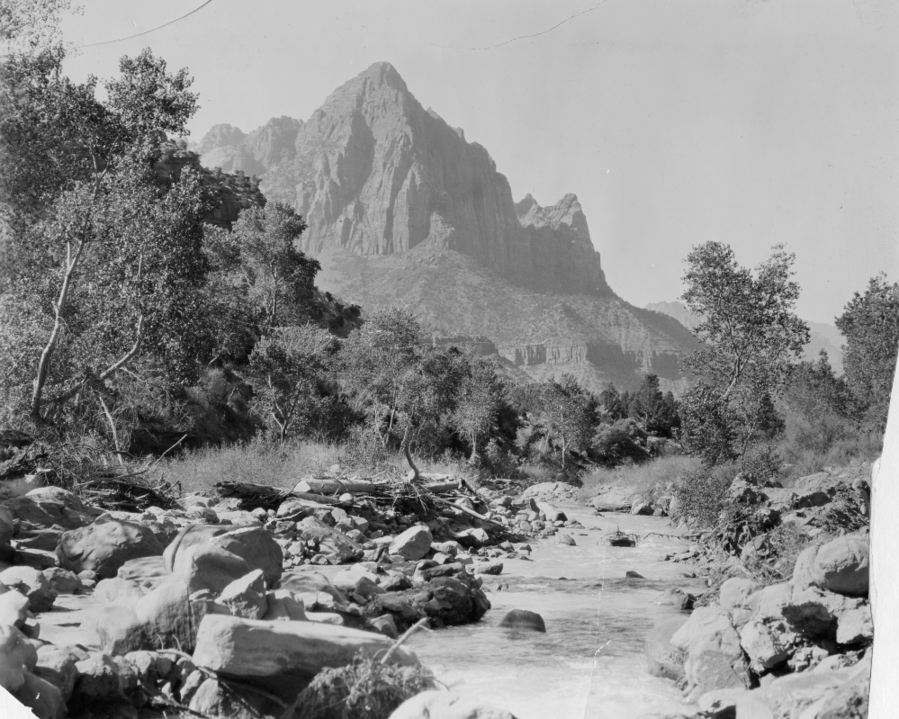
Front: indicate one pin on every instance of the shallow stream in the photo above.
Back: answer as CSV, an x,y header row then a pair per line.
x,y
590,663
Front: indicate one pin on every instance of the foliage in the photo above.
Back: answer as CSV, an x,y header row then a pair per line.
x,y
566,413
654,411
479,401
365,689
29,25
870,324
749,332
617,443
289,370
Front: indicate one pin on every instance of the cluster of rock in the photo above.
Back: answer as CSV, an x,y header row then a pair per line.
x,y
797,648
206,606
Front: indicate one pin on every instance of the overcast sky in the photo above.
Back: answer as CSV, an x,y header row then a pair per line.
x,y
678,122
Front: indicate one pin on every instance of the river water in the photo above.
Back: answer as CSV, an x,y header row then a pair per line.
x,y
590,663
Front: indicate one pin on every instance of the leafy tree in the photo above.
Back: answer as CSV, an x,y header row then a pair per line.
x,y
289,369
653,410
568,414
478,405
750,333
870,324
611,404
259,280
128,252
380,368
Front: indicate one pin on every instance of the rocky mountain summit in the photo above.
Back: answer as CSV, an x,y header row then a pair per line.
x,y
382,183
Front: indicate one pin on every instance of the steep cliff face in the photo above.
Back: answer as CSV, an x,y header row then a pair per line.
x,y
375,173
403,211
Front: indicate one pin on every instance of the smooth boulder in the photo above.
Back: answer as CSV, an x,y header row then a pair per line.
x,y
252,648
523,619
663,659
841,566
253,544
106,545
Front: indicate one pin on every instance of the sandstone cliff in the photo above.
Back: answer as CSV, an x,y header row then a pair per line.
x,y
404,211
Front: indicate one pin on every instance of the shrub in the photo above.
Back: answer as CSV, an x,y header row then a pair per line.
x,y
365,689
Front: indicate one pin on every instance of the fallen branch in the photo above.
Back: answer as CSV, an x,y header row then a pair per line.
x,y
420,624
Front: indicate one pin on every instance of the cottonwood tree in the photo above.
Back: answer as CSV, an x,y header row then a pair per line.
x,y
750,335
259,281
568,414
480,398
85,200
870,324
289,368
653,410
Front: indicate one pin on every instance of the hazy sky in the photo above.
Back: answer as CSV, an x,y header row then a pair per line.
x,y
674,122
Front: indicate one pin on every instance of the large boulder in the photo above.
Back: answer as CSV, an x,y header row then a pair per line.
x,y
841,566
13,607
413,544
245,597
207,566
49,507
768,644
714,657
614,499
249,648
56,664
43,698
442,704
251,543
106,545
17,656
663,659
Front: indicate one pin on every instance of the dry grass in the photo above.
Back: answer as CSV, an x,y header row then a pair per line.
x,y
281,465
649,479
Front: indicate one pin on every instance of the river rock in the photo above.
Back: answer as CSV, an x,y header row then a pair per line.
x,y
253,544
615,499
33,584
855,626
413,544
214,699
245,597
56,664
117,591
207,566
523,619
13,608
472,537
145,571
734,597
641,508
106,545
42,509
720,703
441,704
840,566
247,648
767,645
807,695
677,598
62,581
566,540
98,678
43,698
283,605
491,568
663,659
17,656
715,658
329,542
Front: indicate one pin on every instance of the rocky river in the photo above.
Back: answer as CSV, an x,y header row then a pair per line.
x,y
590,663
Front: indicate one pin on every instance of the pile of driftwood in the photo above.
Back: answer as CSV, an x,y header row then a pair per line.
x,y
426,495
